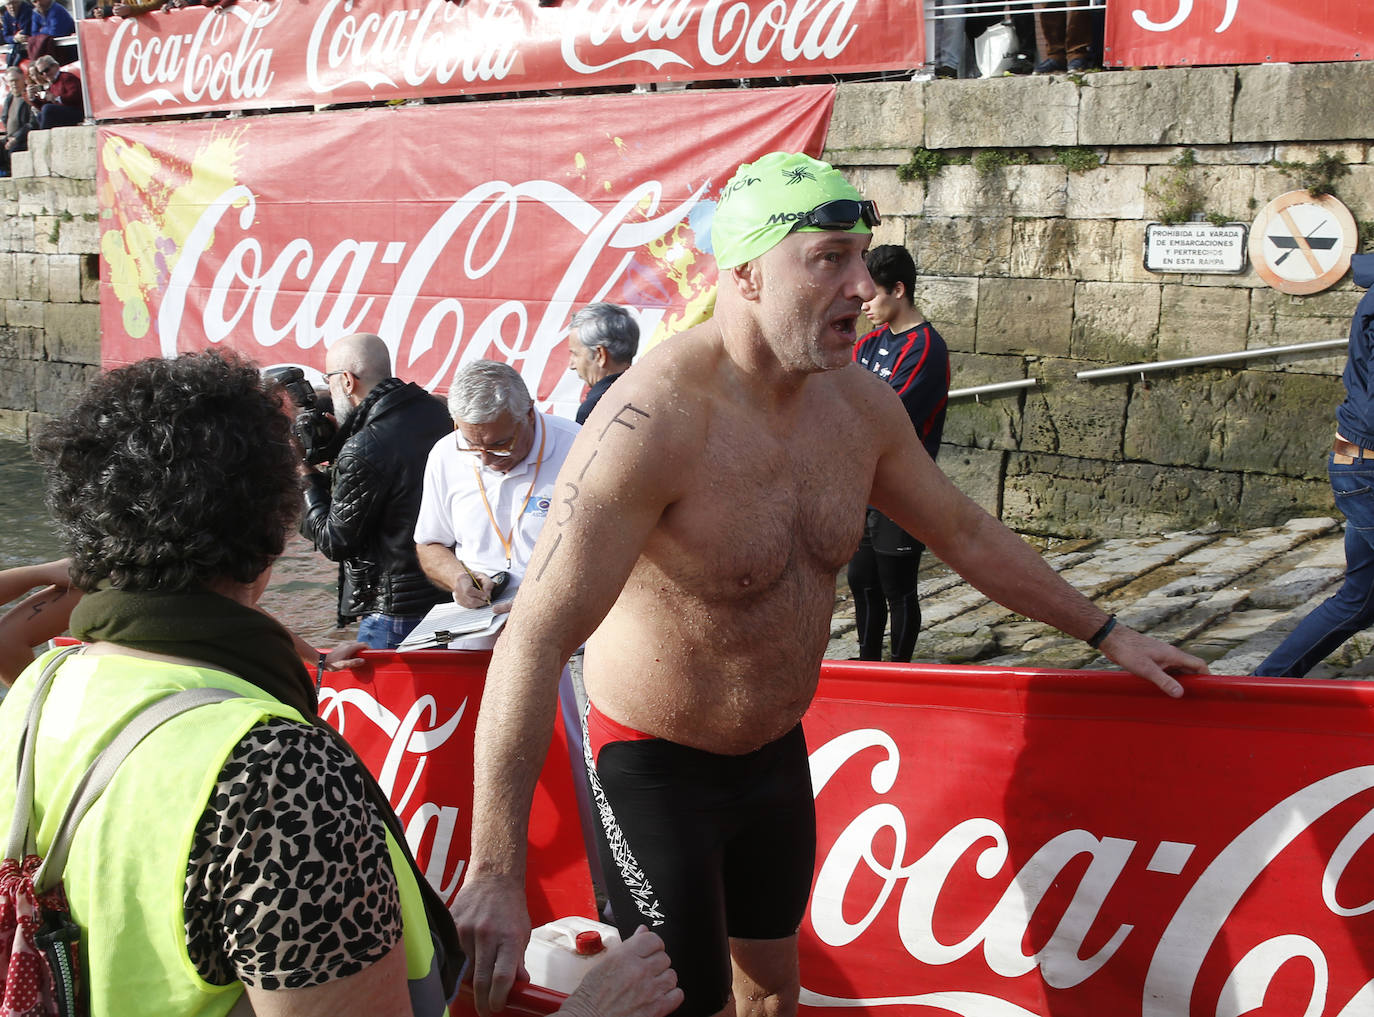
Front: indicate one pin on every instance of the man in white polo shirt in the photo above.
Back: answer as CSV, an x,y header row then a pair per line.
x,y
489,487
488,492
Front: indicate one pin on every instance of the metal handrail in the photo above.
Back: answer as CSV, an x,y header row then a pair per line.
x,y
1001,386
985,8
1213,358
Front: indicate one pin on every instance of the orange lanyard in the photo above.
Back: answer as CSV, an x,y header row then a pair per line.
x,y
508,539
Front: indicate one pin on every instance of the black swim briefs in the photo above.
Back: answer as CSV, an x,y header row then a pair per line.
x,y
703,847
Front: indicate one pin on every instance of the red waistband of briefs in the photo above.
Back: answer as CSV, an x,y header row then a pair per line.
x,y
602,730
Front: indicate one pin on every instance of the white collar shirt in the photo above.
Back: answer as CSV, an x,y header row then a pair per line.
x,y
453,512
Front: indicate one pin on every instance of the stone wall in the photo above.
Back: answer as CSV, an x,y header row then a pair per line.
x,y
1028,269
49,277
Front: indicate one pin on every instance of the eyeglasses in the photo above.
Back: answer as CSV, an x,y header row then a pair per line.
x,y
503,450
840,214
329,374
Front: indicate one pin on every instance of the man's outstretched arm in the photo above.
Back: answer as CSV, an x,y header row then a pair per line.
x,y
910,489
36,618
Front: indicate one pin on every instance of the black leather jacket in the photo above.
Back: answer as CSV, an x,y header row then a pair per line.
x,y
363,514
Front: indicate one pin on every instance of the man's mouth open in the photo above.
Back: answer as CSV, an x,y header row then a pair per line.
x,y
846,325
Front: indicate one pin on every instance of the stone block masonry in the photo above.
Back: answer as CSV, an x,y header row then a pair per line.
x,y
49,278
1031,265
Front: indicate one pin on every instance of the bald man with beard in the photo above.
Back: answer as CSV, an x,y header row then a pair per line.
x,y
361,512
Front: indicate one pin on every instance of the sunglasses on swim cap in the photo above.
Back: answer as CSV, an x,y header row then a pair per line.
x,y
840,214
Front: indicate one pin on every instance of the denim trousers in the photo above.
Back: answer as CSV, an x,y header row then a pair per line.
x,y
385,631
1351,608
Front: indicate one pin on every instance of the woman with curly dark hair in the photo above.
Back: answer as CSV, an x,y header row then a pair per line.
x,y
176,475
171,475
241,847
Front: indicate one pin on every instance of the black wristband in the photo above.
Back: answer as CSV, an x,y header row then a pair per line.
x,y
1095,640
319,670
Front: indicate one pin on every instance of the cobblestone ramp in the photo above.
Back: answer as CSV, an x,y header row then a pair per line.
x,y
1227,597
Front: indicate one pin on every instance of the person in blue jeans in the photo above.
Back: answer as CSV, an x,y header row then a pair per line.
x,y
1351,468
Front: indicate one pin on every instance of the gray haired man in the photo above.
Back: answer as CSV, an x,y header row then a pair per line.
x,y
602,342
488,488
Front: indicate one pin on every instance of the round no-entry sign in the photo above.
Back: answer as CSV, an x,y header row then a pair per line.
x,y
1301,243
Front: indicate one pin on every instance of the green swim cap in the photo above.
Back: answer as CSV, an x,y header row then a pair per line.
x,y
765,198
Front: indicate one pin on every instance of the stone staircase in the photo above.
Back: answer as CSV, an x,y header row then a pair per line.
x,y
1228,597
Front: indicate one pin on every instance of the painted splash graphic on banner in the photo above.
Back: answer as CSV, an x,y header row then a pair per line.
x,y
153,198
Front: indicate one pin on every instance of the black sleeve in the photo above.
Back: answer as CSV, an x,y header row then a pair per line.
x,y
340,516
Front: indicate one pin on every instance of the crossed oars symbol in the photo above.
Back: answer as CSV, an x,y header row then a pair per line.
x,y
1298,242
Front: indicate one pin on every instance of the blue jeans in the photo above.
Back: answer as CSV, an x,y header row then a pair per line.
x,y
1351,608
950,39
385,631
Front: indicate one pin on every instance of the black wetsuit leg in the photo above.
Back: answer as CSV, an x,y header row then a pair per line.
x,y
898,575
870,605
702,847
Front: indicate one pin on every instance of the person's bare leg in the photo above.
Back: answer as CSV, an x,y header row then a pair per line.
x,y
767,977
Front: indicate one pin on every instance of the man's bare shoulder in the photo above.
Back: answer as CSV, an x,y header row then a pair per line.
x,y
855,394
868,394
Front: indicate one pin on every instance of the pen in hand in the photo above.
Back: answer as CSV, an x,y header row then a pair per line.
x,y
477,583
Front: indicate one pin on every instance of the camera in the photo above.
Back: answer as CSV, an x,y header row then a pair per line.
x,y
315,431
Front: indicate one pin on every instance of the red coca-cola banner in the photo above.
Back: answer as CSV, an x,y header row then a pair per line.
x,y
271,55
411,717
1168,33
1011,844
997,843
454,232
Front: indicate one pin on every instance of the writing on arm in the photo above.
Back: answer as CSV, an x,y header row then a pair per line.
x,y
627,416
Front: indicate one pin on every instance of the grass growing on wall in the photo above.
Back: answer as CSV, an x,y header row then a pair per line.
x,y
1317,177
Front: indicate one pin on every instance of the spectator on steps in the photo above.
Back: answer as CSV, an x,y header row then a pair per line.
x,y
48,21
1064,40
55,95
16,118
15,16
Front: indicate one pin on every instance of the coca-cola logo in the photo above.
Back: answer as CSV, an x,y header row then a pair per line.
x,y
261,293
912,881
712,33
411,738
221,62
436,42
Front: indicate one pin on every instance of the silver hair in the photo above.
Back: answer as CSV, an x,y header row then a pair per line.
x,y
484,389
611,326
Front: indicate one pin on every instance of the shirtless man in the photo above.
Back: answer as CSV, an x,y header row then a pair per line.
x,y
699,524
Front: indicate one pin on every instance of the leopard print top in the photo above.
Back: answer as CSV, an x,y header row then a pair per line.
x,y
289,883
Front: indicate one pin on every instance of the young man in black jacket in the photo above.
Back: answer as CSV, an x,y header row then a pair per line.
x,y
362,513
